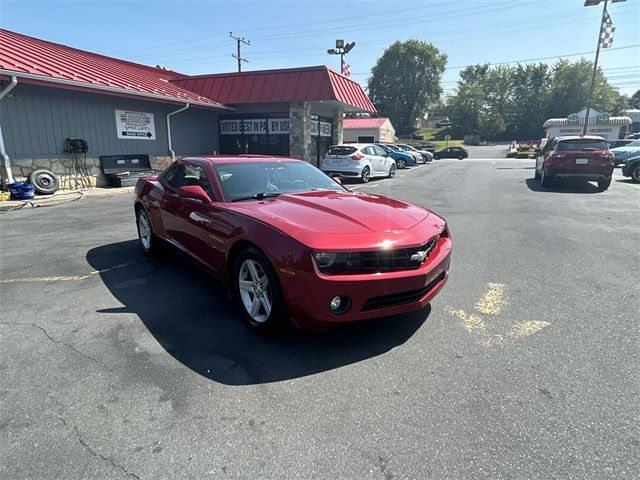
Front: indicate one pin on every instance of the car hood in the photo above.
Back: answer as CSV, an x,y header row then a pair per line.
x,y
343,220
625,150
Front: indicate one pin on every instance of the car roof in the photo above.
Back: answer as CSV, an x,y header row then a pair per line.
x,y
246,158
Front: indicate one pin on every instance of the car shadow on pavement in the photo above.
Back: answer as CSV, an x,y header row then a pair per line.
x,y
562,187
190,315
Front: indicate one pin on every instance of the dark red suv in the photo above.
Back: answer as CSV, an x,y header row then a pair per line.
x,y
585,158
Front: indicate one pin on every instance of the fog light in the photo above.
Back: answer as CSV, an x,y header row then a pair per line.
x,y
335,303
339,304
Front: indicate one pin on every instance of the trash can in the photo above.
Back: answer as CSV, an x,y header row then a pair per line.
x,y
21,191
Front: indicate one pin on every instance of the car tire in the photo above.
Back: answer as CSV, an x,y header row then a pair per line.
x,y
436,157
460,157
604,184
44,182
635,173
148,241
545,180
536,175
400,163
257,291
365,176
392,171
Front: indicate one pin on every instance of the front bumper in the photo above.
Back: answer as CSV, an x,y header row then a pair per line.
x,y
371,295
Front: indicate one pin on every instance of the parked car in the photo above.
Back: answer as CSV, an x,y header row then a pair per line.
x,y
358,160
401,158
419,158
444,124
293,245
629,150
619,143
634,136
631,168
451,152
429,147
416,136
408,157
575,157
426,156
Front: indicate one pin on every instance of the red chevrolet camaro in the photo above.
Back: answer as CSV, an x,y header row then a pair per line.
x,y
293,244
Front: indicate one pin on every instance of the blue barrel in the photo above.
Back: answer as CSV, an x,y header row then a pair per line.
x,y
21,191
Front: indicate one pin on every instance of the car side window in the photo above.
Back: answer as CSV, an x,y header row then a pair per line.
x,y
378,151
173,177
367,151
196,175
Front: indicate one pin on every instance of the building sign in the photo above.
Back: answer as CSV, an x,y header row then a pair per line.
x,y
324,127
135,125
573,118
255,126
603,118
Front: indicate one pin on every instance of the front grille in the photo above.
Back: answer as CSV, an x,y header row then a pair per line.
x,y
388,260
384,301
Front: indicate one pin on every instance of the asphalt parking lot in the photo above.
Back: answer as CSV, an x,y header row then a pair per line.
x,y
525,366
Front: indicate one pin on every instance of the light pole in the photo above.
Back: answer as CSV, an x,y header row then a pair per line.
x,y
591,3
341,49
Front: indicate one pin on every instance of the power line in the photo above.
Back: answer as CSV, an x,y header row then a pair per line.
x,y
333,21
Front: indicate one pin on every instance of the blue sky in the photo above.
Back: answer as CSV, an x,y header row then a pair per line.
x,y
192,37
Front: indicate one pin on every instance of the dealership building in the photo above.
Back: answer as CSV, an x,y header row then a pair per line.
x,y
50,93
600,124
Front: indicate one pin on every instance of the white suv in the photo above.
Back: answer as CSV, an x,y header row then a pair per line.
x,y
361,160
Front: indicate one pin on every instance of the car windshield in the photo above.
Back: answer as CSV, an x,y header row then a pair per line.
x,y
393,147
384,147
258,180
581,144
341,150
408,147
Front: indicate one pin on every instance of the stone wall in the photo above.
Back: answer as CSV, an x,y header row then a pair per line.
x,y
300,130
338,120
64,169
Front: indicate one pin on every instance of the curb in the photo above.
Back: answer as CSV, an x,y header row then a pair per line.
x,y
61,197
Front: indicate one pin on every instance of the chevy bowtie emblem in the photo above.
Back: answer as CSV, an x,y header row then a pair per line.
x,y
419,256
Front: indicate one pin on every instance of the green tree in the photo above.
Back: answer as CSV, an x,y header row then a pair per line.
x,y
634,101
405,81
569,90
470,100
491,125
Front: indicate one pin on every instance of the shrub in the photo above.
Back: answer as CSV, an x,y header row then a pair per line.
x,y
512,154
522,155
523,148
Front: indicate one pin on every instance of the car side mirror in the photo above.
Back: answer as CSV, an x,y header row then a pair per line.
x,y
538,151
194,192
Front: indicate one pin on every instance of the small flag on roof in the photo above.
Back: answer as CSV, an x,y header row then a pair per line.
x,y
345,69
607,31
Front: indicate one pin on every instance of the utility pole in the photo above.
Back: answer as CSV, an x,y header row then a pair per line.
x,y
239,41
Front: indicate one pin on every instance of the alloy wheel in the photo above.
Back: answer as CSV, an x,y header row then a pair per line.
x,y
255,290
144,230
635,174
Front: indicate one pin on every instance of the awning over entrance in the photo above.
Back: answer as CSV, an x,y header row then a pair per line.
x,y
306,84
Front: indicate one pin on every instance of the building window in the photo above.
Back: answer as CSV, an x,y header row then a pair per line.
x,y
255,134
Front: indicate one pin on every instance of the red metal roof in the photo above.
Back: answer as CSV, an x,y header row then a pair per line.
x,y
364,122
38,61
284,85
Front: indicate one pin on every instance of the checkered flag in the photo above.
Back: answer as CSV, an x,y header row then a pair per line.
x,y
345,69
607,31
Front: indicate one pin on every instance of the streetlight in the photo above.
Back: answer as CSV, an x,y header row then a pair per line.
x,y
591,3
341,49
